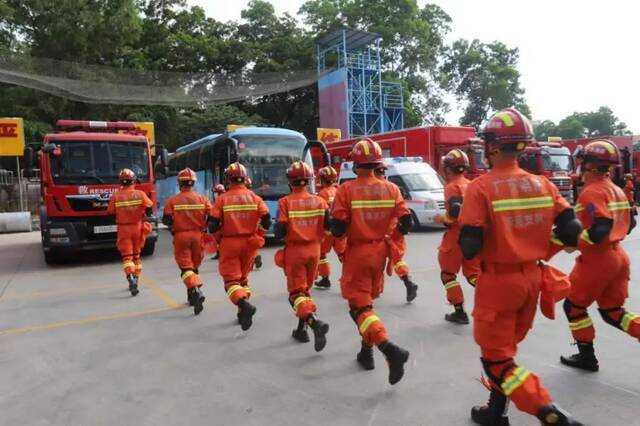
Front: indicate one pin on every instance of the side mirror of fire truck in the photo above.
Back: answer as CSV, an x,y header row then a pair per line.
x,y
163,156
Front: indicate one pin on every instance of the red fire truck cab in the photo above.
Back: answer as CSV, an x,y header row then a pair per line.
x,y
553,160
430,143
79,168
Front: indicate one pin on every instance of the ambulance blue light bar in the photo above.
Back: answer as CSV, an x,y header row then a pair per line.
x,y
407,159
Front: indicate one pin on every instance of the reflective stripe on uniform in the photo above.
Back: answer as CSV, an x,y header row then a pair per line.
x,y
323,261
585,237
126,265
186,274
578,208
128,203
240,207
451,284
627,319
515,380
299,300
619,205
372,204
510,204
400,264
555,240
580,324
179,207
233,289
367,323
306,213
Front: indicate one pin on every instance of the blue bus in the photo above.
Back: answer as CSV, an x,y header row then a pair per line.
x,y
265,152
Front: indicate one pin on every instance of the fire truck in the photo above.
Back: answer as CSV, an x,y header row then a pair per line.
x,y
553,160
430,143
79,166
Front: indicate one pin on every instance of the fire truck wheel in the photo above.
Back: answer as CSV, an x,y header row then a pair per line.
x,y
149,248
51,257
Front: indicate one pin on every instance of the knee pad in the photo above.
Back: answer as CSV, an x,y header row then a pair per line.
x,y
502,366
568,305
609,319
445,277
356,312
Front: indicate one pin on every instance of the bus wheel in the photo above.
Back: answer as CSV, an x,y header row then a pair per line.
x,y
51,257
149,248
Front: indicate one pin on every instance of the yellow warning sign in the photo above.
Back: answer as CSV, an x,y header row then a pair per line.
x,y
329,135
11,137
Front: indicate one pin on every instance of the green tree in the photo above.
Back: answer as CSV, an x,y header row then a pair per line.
x,y
601,122
413,43
485,78
544,129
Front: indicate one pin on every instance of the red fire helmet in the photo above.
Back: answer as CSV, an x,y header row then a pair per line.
x,y
366,151
509,130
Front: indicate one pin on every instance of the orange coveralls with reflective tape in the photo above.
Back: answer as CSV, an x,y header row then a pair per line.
x,y
189,211
328,193
303,214
449,253
601,273
369,206
129,205
629,191
516,211
239,211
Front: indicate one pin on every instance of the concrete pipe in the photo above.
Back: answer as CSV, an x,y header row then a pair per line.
x,y
15,222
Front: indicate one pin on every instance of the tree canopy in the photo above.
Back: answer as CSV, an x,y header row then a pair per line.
x,y
171,35
601,122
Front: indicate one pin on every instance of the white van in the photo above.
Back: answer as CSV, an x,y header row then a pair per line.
x,y
419,183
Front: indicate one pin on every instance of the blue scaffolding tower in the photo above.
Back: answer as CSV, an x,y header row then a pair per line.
x,y
373,105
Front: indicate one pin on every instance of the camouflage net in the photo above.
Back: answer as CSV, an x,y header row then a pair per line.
x,y
109,85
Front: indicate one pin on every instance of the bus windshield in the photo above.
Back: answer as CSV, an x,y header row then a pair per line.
x,y
557,162
267,159
98,162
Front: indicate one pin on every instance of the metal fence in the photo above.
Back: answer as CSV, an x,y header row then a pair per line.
x,y
19,195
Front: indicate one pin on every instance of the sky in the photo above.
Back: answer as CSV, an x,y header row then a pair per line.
x,y
574,55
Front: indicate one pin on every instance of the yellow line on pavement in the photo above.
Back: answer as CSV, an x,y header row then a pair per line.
x,y
36,294
168,300
51,326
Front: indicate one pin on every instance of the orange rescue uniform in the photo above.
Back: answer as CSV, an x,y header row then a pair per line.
x,y
239,210
516,211
189,211
129,205
449,253
369,206
590,281
629,191
304,216
328,193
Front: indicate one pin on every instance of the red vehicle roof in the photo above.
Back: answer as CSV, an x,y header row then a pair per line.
x,y
123,137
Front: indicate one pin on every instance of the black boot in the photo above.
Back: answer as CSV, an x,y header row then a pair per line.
x,y
190,295
550,415
320,330
245,316
216,256
365,357
396,358
324,283
258,262
198,299
412,288
133,284
494,413
459,316
300,333
585,359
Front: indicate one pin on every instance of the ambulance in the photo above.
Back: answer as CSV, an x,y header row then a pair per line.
x,y
419,183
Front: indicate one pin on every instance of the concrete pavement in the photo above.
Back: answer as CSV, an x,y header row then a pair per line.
x,y
77,349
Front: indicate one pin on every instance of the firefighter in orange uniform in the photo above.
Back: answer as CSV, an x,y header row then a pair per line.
x,y
328,179
186,215
450,256
397,249
364,211
506,221
243,219
601,273
629,189
130,206
217,190
302,219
